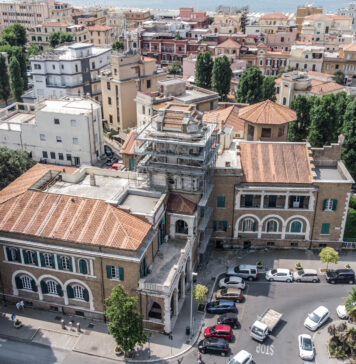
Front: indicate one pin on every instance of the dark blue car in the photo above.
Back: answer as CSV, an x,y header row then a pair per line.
x,y
221,306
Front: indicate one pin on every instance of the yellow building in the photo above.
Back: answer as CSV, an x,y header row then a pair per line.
x,y
101,35
303,11
226,24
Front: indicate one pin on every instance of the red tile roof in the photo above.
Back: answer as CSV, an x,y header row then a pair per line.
x,y
180,204
275,163
228,116
129,145
322,87
274,16
229,43
267,112
99,28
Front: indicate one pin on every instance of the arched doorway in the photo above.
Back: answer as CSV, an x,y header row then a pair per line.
x,y
154,310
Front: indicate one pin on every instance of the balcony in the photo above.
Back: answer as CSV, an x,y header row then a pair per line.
x,y
63,84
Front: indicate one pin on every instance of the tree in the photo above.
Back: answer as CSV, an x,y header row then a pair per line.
x,y
349,131
298,130
350,304
329,255
57,38
125,322
21,57
203,70
175,68
221,76
16,81
249,89
32,50
13,163
341,102
118,46
4,80
14,35
339,77
200,292
269,88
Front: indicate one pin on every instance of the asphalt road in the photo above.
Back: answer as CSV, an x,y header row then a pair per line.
x,y
295,301
14,352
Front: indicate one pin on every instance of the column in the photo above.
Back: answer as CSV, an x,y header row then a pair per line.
x,y
91,271
238,200
262,199
176,304
55,262
38,258
74,265
182,288
286,201
167,314
21,256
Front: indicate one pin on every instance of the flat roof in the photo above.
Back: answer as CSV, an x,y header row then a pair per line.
x,y
228,158
70,106
20,117
139,204
328,174
106,188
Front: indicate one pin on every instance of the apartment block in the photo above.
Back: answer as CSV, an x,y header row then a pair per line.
x,y
101,35
306,10
130,72
66,132
351,12
271,62
68,70
196,19
306,58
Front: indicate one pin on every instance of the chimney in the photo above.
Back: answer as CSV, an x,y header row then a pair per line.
x,y
92,179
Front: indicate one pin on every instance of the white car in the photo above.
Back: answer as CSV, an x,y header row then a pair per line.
x,y
242,357
306,347
232,282
316,318
341,312
279,275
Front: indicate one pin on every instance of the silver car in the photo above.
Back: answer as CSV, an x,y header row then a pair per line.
x,y
306,275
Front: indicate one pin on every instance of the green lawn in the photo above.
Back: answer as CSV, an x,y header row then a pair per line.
x,y
350,229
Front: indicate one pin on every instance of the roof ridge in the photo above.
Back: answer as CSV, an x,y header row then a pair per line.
x,y
118,211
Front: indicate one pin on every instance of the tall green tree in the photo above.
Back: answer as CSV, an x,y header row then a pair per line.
x,y
125,322
32,50
221,76
117,46
269,88
13,163
341,102
349,131
21,57
14,35
16,81
298,130
250,89
339,77
4,80
203,70
329,255
174,68
57,38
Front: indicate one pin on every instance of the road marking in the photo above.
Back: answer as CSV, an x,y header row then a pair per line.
x,y
265,349
3,340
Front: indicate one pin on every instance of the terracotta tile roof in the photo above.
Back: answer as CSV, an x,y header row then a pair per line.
x,y
55,24
229,43
228,115
267,112
77,219
320,75
274,16
180,204
327,16
348,47
99,28
325,87
26,180
129,145
275,163
278,81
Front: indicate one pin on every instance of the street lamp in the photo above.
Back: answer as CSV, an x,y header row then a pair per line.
x,y
191,302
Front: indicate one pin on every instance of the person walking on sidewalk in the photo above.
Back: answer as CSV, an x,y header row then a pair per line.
x,y
18,306
22,305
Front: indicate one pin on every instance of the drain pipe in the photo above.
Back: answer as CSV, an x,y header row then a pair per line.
x,y
312,230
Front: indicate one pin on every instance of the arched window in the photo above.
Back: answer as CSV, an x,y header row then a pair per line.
x,y
248,225
272,226
26,282
51,287
296,227
83,266
181,227
78,292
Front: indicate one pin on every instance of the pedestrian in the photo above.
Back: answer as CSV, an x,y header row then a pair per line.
x,y
18,306
22,305
13,316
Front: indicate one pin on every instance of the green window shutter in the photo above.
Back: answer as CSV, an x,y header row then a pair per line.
x,y
59,261
18,255
225,225
42,259
59,290
44,287
215,225
334,204
52,261
34,285
70,291
18,283
9,256
86,295
35,260
83,266
108,271
121,273
25,256
324,204
254,226
70,264
325,229
141,270
274,226
221,201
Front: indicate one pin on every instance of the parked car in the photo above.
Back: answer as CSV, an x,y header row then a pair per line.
x,y
242,357
234,294
306,347
229,319
306,275
341,312
214,345
108,151
220,331
221,306
340,276
232,282
245,271
280,275
316,318
109,162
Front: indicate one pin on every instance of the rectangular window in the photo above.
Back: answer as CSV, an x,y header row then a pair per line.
x,y
73,123
115,272
56,121
47,260
75,141
108,86
69,157
109,100
53,155
248,200
148,83
220,225
44,154
58,139
221,201
266,133
42,137
325,229
110,119
60,156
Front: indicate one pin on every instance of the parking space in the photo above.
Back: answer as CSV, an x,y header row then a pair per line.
x,y
294,301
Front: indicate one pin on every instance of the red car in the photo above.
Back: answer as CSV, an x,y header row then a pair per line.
x,y
220,331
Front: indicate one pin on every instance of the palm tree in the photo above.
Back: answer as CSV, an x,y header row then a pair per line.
x,y
350,304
